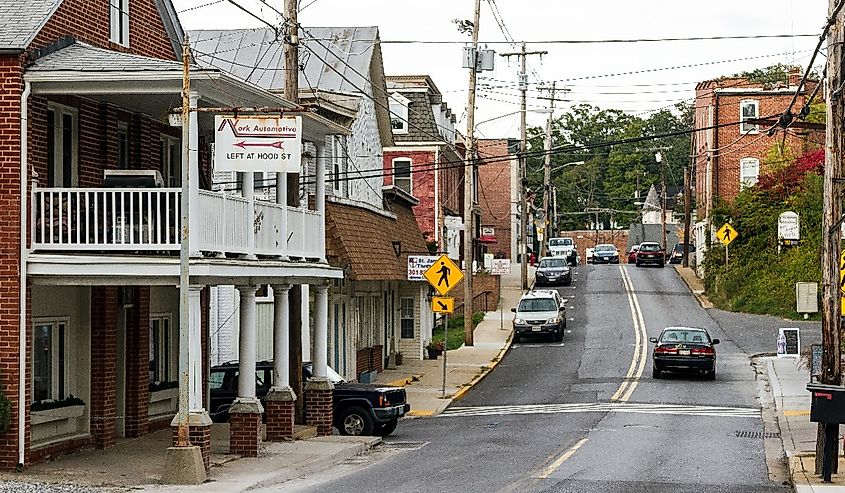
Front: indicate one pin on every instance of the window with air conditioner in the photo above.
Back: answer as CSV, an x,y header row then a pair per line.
x,y
749,109
402,174
119,22
749,171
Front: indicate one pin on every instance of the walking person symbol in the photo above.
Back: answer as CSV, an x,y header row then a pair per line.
x,y
444,274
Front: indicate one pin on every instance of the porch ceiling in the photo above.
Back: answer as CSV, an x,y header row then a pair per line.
x,y
97,270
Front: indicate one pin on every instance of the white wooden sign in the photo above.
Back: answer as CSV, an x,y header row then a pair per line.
x,y
789,227
258,143
500,266
418,264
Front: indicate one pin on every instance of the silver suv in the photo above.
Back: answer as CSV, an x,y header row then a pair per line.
x,y
540,312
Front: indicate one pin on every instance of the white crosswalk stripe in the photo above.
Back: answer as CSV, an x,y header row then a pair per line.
x,y
603,407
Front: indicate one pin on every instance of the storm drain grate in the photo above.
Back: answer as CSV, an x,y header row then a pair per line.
x,y
402,445
755,434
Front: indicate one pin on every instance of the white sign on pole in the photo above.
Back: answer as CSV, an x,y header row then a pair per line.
x,y
789,343
501,266
789,227
418,264
258,143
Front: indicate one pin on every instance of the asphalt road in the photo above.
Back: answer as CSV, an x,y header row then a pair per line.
x,y
564,417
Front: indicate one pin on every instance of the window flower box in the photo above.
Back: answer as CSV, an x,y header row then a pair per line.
x,y
56,414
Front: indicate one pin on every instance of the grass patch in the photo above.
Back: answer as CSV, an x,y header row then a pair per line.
x,y
456,330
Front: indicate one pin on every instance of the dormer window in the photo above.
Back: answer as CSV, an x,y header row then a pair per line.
x,y
119,14
399,113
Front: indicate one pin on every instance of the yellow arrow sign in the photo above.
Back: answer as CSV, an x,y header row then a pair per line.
x,y
443,275
726,234
440,304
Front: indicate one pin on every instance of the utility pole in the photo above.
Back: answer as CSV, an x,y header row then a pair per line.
x,y
831,336
469,184
659,157
523,216
687,211
547,168
291,194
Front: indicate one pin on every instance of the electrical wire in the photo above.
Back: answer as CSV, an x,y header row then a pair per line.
x,y
605,41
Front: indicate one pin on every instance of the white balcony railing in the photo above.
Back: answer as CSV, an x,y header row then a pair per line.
x,y
147,220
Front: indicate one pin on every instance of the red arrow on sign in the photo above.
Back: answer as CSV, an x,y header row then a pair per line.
x,y
244,145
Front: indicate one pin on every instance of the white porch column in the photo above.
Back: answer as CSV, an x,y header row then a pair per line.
x,y
194,181
246,358
195,403
321,331
281,336
320,195
282,199
249,194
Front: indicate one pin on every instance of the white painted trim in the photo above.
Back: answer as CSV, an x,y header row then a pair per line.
x,y
24,179
54,322
410,176
362,205
416,147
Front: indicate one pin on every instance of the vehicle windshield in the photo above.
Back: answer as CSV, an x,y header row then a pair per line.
x,y
679,247
560,242
537,305
649,247
605,248
685,336
552,263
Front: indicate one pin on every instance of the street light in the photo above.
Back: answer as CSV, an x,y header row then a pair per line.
x,y
565,165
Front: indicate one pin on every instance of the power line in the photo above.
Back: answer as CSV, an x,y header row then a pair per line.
x,y
604,41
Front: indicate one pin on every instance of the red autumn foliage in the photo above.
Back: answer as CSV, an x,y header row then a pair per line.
x,y
784,182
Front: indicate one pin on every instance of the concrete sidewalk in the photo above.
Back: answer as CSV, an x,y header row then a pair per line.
x,y
788,379
465,366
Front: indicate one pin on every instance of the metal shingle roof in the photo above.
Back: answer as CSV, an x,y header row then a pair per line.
x,y
81,57
256,55
20,21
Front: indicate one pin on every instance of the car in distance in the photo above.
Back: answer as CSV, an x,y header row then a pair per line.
x,y
589,254
605,254
551,271
539,312
359,409
684,349
650,253
563,247
677,255
632,255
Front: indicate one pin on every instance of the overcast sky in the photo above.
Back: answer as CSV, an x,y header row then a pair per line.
x,y
585,69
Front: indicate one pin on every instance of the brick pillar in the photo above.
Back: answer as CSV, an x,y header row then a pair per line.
x,y
244,433
200,436
103,364
318,406
280,414
138,364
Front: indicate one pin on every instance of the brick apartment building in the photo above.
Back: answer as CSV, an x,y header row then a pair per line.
x,y
730,158
498,196
90,325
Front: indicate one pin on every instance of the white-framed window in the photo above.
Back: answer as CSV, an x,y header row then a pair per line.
x,y
749,171
49,365
170,149
119,22
399,113
161,348
749,109
62,142
122,145
406,317
339,165
402,174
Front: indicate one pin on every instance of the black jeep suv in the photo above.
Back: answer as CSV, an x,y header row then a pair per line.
x,y
359,409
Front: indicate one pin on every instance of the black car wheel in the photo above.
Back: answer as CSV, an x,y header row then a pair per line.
x,y
662,264
355,421
385,429
655,373
638,263
711,375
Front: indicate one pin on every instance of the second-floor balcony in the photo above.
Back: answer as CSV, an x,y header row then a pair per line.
x,y
146,221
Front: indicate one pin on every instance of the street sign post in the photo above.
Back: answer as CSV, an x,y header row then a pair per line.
x,y
442,304
726,235
443,275
501,267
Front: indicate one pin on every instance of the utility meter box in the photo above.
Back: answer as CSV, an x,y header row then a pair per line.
x,y
807,297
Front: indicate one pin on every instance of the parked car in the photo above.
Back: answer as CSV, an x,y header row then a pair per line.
x,y
359,409
551,271
564,247
684,349
650,253
632,255
605,254
677,255
540,312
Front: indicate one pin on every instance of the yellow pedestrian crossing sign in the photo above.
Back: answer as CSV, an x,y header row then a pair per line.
x,y
726,234
443,275
441,304
842,283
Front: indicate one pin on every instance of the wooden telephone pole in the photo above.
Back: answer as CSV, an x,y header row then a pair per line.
x,y
523,216
469,182
547,170
831,337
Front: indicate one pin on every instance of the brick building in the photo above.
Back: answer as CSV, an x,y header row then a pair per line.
x,y
498,190
732,157
90,325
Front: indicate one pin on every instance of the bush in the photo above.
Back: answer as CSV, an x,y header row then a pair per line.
x,y
456,330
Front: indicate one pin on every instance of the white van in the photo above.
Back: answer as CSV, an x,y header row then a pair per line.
x,y
563,247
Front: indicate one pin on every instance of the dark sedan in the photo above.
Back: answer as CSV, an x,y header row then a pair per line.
x,y
553,270
605,254
684,349
677,255
650,253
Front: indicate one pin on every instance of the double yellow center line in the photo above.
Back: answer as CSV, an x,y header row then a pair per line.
x,y
635,371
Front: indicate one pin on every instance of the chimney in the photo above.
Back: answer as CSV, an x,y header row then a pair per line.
x,y
795,74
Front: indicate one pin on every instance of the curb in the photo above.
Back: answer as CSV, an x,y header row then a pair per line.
x,y
466,387
402,382
699,296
